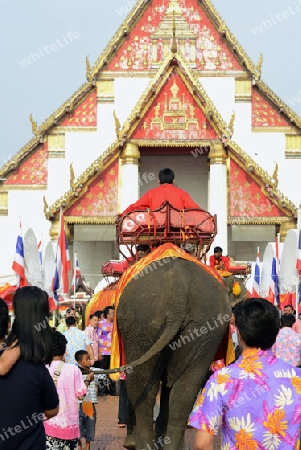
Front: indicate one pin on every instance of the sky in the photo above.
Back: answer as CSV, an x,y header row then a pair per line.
x,y
73,29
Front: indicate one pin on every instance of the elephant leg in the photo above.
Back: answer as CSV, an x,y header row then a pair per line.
x,y
181,400
145,381
144,419
130,440
162,419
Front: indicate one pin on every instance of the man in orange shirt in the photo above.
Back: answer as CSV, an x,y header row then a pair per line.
x,y
155,197
217,261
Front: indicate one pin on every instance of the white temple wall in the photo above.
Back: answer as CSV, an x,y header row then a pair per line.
x,y
289,182
221,91
58,179
81,149
269,147
106,132
127,94
243,127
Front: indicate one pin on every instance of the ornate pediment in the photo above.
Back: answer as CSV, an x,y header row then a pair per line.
x,y
33,172
149,41
174,115
253,194
265,114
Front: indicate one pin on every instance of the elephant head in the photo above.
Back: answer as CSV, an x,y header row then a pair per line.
x,y
236,289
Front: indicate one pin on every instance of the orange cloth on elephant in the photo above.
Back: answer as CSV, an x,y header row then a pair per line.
x,y
155,197
167,250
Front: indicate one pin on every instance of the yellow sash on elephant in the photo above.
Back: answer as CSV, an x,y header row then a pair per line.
x,y
167,250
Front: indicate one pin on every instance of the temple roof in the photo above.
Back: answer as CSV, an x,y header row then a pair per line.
x,y
261,202
90,188
177,81
198,26
98,199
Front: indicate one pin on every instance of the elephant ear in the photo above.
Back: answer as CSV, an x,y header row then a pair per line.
x,y
288,275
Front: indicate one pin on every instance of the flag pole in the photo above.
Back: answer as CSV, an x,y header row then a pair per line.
x,y
74,275
57,249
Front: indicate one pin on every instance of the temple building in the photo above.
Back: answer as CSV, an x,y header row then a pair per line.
x,y
173,88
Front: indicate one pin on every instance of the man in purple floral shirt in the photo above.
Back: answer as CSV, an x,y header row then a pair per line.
x,y
288,341
255,402
104,332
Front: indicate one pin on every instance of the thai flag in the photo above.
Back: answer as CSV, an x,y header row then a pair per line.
x,y
256,281
18,263
76,273
274,286
40,252
298,263
62,263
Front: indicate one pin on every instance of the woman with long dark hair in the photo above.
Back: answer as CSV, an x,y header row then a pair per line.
x,y
31,325
27,392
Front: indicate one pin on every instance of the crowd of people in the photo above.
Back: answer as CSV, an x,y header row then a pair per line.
x,y
261,390
55,368
50,380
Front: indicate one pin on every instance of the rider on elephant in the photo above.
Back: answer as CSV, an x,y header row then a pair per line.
x,y
155,197
219,262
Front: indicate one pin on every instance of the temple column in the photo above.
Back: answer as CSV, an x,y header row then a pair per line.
x,y
129,191
217,200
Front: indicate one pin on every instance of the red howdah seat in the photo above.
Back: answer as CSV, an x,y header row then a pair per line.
x,y
167,224
114,267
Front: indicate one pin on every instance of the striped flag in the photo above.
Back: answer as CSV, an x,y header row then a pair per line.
x,y
40,251
76,273
274,286
62,263
18,263
256,281
298,263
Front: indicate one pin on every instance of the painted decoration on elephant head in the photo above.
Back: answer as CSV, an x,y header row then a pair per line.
x,y
83,115
246,196
101,196
264,114
32,171
149,42
174,114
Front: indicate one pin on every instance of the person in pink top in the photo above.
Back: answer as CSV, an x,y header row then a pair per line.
x,y
288,309
62,431
92,334
288,342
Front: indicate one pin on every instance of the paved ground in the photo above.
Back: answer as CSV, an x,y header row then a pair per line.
x,y
110,437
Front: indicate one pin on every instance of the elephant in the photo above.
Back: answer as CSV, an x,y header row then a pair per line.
x,y
172,320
